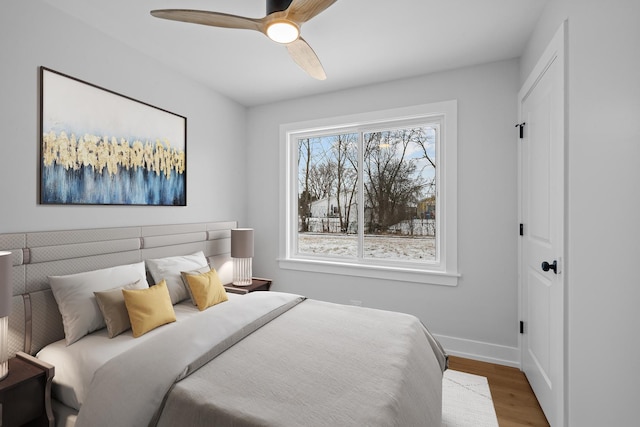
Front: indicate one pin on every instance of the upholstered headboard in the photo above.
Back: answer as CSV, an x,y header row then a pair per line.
x,y
35,320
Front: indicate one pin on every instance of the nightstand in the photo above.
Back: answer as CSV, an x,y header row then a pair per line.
x,y
25,394
256,285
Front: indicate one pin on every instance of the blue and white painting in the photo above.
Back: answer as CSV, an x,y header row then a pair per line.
x,y
99,147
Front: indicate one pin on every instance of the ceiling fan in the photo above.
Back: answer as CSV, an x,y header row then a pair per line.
x,y
281,24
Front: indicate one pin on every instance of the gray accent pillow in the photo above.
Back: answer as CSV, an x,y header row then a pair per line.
x,y
169,268
114,310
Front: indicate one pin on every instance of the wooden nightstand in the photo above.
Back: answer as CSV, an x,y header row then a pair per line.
x,y
256,285
25,394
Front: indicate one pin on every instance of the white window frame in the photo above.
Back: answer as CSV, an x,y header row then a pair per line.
x,y
444,271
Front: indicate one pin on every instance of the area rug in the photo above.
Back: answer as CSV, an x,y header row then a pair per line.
x,y
466,401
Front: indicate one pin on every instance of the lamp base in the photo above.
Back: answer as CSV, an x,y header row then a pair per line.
x,y
242,272
241,284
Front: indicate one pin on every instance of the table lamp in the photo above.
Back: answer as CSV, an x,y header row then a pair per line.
x,y
242,253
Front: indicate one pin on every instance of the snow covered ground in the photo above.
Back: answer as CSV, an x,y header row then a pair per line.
x,y
388,247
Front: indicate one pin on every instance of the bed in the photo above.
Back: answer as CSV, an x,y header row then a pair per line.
x,y
260,359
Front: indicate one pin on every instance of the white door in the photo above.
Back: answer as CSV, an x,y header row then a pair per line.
x,y
541,103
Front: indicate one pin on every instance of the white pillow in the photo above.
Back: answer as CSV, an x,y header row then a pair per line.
x,y
169,269
77,303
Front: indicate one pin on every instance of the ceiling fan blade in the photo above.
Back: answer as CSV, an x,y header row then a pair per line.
x,y
214,19
306,58
303,10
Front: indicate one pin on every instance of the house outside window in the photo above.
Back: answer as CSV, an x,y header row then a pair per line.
x,y
373,195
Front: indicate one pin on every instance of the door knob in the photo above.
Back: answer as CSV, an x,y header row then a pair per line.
x,y
553,266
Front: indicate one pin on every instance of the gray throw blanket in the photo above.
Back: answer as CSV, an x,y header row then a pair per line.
x,y
129,389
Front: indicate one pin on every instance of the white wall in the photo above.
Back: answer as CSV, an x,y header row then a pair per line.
x,y
603,289
33,34
480,314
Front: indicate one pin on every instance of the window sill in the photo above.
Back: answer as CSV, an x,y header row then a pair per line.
x,y
414,275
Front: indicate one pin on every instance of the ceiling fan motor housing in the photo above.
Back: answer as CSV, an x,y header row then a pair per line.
x,y
277,5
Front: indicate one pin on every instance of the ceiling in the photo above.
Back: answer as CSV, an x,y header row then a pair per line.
x,y
359,42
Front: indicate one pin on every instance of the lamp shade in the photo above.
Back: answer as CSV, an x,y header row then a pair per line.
x,y
6,285
242,243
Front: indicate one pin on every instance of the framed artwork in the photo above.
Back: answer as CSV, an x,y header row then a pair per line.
x,y
98,147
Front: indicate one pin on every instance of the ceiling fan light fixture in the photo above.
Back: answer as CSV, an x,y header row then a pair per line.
x,y
283,32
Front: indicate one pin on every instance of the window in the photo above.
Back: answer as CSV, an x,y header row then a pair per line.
x,y
373,195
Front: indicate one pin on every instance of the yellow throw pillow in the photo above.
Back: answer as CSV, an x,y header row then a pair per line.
x,y
206,288
184,274
149,308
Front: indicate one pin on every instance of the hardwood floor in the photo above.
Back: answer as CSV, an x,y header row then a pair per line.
x,y
515,403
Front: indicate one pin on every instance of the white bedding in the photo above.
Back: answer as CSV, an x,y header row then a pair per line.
x,y
76,364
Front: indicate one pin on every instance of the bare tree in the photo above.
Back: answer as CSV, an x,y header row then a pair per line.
x,y
393,170
317,170
392,186
345,152
322,177
304,198
422,140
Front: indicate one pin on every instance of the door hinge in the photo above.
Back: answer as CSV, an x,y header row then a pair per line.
x,y
521,327
522,229
521,126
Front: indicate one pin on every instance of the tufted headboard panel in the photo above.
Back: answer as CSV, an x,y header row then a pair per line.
x,y
35,320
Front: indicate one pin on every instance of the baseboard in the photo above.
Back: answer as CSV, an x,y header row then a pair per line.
x,y
477,350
